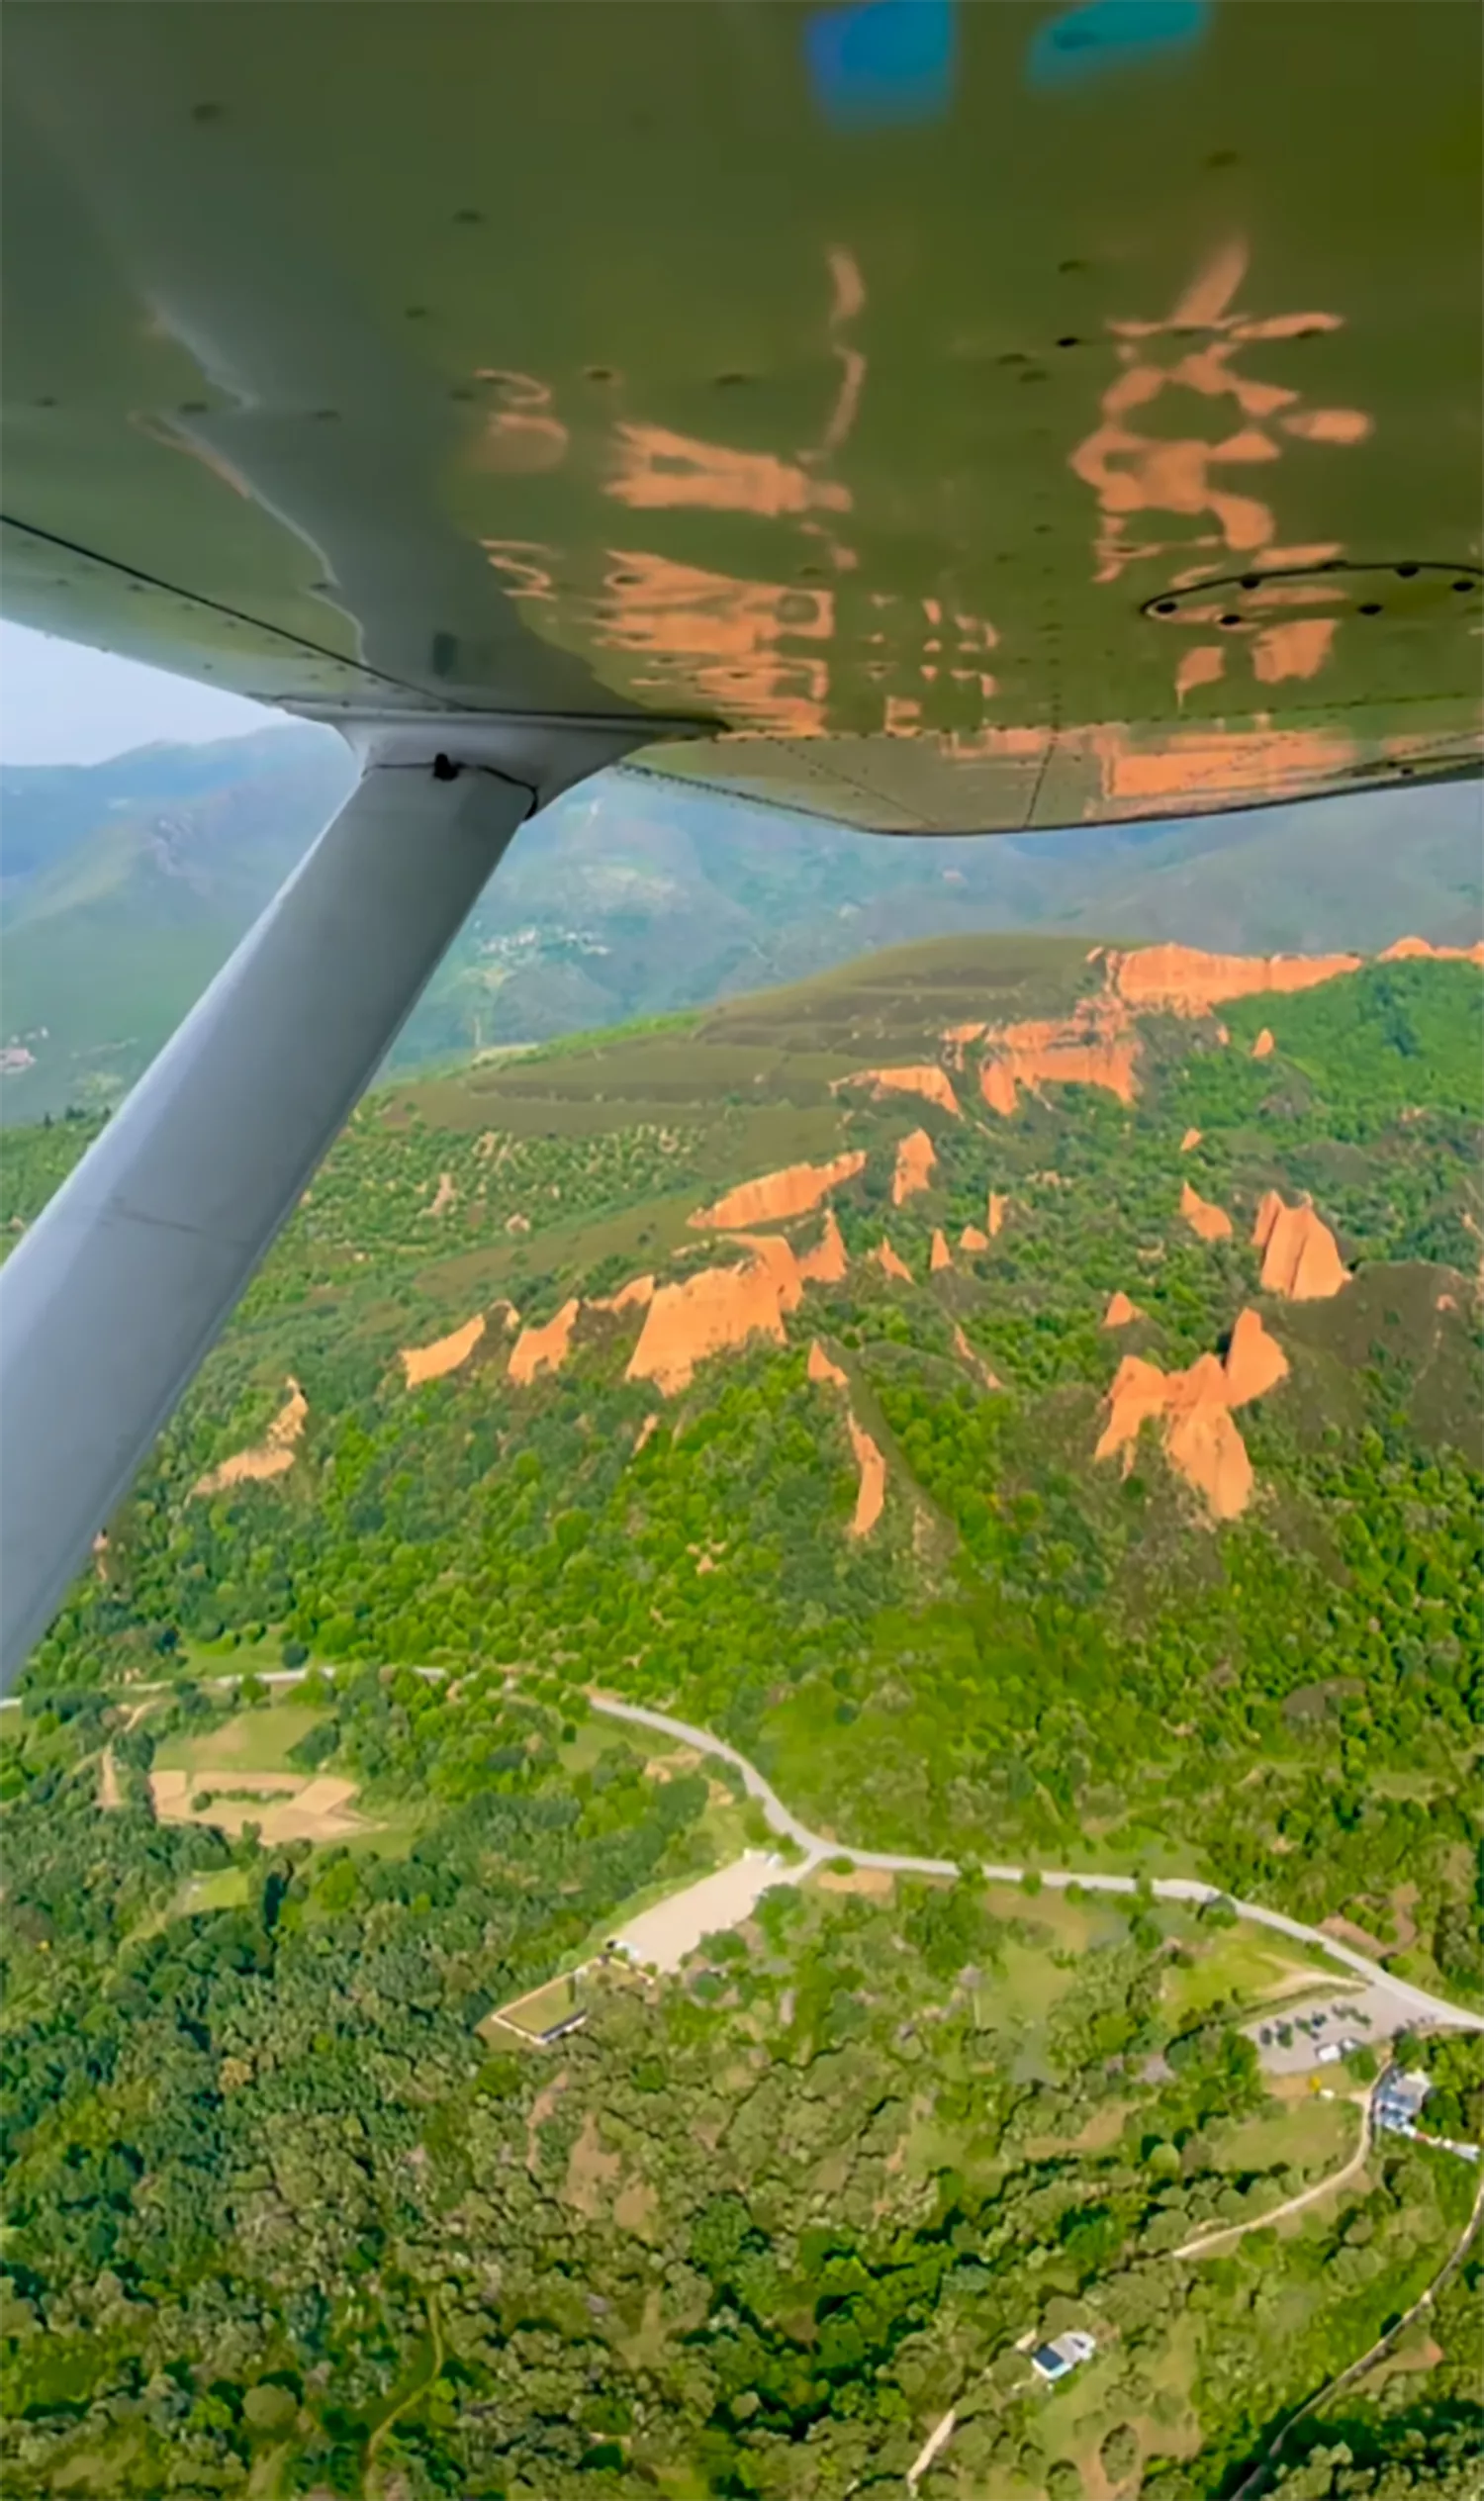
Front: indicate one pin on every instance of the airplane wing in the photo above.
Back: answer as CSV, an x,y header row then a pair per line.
x,y
936,418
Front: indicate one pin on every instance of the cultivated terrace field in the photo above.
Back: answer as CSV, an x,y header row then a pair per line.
x,y
1026,1400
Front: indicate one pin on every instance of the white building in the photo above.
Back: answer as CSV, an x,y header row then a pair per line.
x,y
1053,2362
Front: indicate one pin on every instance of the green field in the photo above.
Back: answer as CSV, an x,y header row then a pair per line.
x,y
252,1741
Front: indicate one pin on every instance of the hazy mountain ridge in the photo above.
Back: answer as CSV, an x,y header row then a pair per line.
x,y
123,886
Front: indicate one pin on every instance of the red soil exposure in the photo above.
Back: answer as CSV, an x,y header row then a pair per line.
x,y
997,1085
999,1208
702,1316
872,1491
543,1349
826,1264
940,1256
1185,982
887,1259
821,1369
971,1238
1093,1047
1213,1224
1300,1256
1424,947
1255,1362
445,1354
717,1309
873,1488
966,1354
272,1456
1120,1311
1194,1410
915,1157
638,1290
1192,1137
932,1083
778,1195
1264,1045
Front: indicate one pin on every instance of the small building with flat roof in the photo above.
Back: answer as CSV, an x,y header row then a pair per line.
x,y
1053,2360
1400,2095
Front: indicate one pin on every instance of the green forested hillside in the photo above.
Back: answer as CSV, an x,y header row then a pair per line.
x,y
294,2212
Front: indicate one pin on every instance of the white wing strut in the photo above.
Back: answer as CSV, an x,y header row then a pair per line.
x,y
110,1302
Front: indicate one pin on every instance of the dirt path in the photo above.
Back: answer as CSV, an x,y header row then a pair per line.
x,y
938,2438
1227,2235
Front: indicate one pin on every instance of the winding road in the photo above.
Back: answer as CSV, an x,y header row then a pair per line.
x,y
816,1846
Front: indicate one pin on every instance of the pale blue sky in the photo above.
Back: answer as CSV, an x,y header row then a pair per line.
x,y
62,704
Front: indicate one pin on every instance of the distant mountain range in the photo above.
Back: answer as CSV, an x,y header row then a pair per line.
x,y
124,886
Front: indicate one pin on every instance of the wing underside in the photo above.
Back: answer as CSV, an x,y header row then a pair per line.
x,y
940,419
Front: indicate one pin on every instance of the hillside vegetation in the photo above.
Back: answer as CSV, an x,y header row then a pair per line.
x,y
1025,1397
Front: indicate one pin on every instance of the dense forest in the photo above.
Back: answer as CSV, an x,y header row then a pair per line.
x,y
293,2210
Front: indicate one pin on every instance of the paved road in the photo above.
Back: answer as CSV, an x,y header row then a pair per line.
x,y
1419,2003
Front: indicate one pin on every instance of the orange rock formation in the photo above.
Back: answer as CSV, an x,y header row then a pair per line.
x,y
1187,981
997,1085
543,1349
1404,947
1200,1439
1192,1137
887,1259
955,1036
940,1256
916,1157
1120,1311
714,1310
1091,1047
1255,1362
272,1456
1264,1045
873,1488
968,1354
638,1291
1300,1256
777,1196
971,1238
999,1208
1213,1224
932,1083
1193,1410
821,1369
445,1354
826,1264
